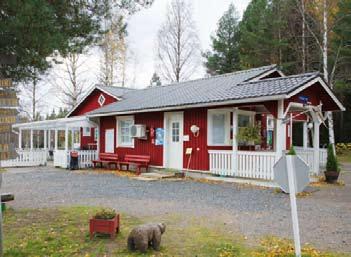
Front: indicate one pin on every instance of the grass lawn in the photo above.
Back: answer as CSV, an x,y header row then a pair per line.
x,y
64,232
345,157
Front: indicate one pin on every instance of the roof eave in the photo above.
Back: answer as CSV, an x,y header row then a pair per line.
x,y
189,106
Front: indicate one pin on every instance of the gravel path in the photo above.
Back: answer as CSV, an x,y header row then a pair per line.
x,y
325,216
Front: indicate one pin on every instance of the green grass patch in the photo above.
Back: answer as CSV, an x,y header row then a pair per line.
x,y
64,232
345,157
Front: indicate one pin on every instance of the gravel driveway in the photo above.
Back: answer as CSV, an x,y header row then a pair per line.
x,y
325,216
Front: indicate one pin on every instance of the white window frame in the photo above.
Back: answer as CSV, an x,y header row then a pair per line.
x,y
86,133
103,99
212,112
118,131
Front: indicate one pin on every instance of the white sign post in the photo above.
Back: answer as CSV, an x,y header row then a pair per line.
x,y
295,220
291,174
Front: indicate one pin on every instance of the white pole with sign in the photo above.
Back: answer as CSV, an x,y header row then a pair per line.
x,y
291,174
295,220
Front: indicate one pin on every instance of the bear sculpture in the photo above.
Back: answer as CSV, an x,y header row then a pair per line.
x,y
143,236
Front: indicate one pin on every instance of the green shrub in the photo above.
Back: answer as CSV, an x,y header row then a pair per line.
x,y
332,162
291,151
251,134
105,214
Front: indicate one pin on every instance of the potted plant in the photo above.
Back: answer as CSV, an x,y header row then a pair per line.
x,y
332,169
105,221
250,135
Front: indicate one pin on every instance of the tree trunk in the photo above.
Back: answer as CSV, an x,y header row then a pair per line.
x,y
303,37
325,72
34,99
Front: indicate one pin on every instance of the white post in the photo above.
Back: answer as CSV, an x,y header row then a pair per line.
x,y
72,139
280,132
20,139
49,139
235,142
66,139
31,139
45,139
98,138
292,193
305,135
56,139
316,125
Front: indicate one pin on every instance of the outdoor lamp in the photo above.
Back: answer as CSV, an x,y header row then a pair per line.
x,y
195,130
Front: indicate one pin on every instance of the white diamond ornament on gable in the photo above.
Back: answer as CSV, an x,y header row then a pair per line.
x,y
101,100
301,177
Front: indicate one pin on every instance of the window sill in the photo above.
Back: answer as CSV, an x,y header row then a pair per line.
x,y
125,146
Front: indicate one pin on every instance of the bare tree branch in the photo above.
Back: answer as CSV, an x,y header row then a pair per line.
x,y
178,46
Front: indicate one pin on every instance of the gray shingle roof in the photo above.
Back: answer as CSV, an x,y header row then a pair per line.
x,y
208,90
116,91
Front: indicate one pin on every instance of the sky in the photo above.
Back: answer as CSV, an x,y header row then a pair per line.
x,y
142,32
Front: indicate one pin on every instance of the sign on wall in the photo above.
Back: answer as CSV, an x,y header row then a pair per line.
x,y
8,116
159,136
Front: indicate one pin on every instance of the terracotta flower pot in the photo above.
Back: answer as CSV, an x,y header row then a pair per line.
x,y
331,176
110,226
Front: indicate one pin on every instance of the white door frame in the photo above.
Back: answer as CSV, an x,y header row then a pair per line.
x,y
166,134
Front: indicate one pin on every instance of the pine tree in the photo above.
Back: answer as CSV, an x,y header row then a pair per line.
x,y
155,80
224,56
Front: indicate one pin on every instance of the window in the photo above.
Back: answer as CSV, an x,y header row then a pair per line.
x,y
101,100
175,131
219,127
86,132
124,136
96,134
243,121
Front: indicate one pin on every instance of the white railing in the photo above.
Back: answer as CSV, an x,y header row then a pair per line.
x,y
62,157
306,154
85,158
256,164
250,164
221,162
26,158
323,153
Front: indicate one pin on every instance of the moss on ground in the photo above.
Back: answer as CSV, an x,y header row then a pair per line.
x,y
64,232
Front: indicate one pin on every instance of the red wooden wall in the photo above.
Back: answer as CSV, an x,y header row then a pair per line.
x,y
146,146
90,104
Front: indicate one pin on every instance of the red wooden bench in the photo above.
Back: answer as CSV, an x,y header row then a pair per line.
x,y
141,161
108,158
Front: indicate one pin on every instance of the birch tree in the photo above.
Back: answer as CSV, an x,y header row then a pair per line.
x,y
178,49
113,49
32,98
70,82
321,16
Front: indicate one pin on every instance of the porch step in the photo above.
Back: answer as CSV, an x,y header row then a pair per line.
x,y
144,178
243,181
155,175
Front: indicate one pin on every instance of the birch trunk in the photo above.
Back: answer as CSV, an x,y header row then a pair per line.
x,y
325,72
303,37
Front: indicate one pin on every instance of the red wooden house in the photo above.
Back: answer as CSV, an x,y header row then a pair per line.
x,y
195,125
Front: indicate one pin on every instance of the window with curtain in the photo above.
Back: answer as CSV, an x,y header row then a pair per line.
x,y
219,127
